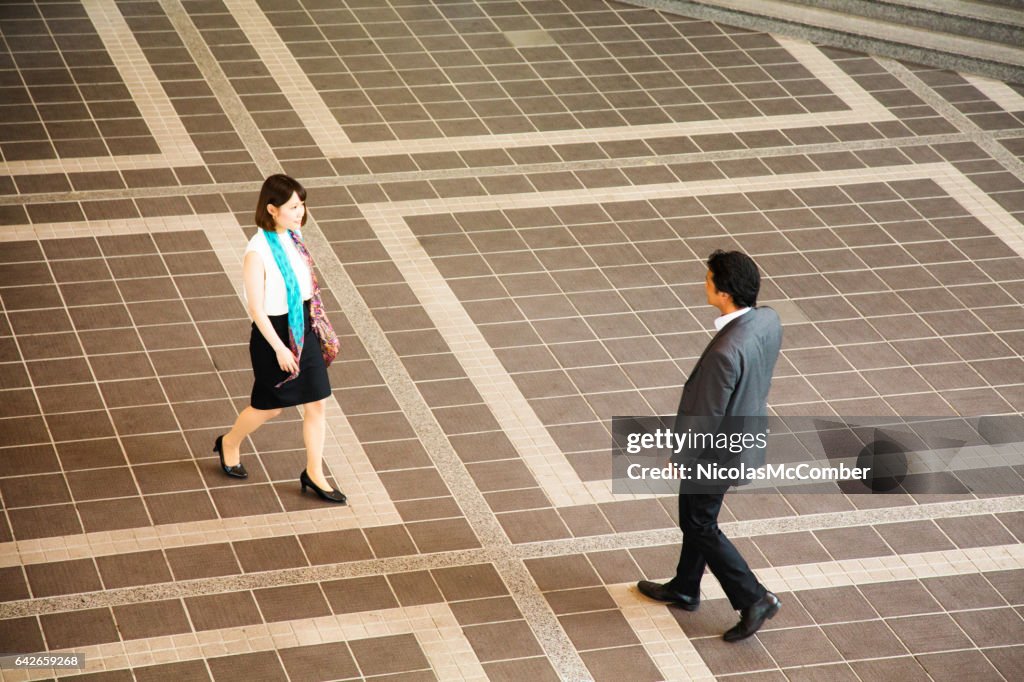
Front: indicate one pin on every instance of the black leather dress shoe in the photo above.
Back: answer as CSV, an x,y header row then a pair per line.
x,y
753,617
661,592
236,471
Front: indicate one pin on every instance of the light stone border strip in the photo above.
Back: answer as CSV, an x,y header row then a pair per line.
x,y
674,653
500,393
334,142
499,557
434,625
997,91
665,642
176,147
289,76
369,505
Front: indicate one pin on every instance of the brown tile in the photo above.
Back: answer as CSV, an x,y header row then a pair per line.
x,y
958,665
868,639
44,522
852,543
414,588
180,507
922,634
247,500
496,641
906,668
79,628
13,585
491,610
63,577
1008,660
413,484
615,566
382,655
975,531
389,541
787,549
291,602
799,646
136,568
623,663
956,592
633,515
533,526
837,672
25,492
168,477
269,554
263,665
900,598
992,627
1009,583
335,546
151,619
218,611
442,536
835,605
186,670
469,582
319,663
95,484
21,635
558,573
538,669
912,537
113,514
352,595
202,561
598,630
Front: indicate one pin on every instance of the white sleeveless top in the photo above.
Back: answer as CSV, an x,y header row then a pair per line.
x,y
275,297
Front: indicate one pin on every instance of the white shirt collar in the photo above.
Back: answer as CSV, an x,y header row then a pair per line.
x,y
726,319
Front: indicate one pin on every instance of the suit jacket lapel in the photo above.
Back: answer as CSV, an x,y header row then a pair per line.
x,y
714,339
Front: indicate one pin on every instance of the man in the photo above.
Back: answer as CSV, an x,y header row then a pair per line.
x,y
730,381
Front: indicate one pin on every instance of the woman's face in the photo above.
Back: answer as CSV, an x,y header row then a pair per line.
x,y
289,215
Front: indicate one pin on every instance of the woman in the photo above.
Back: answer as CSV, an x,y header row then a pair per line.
x,y
287,362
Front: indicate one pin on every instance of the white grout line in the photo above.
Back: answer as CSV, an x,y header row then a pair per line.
x,y
333,141
285,70
369,503
176,147
997,91
501,394
678,659
435,627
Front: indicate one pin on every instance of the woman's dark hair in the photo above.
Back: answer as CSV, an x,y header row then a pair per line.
x,y
277,190
736,274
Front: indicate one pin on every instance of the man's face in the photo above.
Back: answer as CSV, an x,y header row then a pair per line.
x,y
712,292
716,298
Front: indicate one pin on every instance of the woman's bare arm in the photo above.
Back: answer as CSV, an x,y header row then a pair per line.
x,y
254,278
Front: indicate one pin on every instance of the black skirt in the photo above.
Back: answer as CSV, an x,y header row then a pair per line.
x,y
311,385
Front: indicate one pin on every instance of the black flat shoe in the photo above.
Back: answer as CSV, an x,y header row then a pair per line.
x,y
237,471
335,496
753,617
663,593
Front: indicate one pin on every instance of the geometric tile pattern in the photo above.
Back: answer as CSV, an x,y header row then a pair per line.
x,y
510,204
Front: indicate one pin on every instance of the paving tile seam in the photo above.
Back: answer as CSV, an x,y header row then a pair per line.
x,y
949,112
223,91
617,163
510,558
483,522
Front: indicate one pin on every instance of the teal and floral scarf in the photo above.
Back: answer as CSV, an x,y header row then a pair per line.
x,y
293,291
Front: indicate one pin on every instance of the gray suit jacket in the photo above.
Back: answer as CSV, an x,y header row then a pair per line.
x,y
727,391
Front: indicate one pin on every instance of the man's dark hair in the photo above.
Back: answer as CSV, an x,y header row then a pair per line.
x,y
735,273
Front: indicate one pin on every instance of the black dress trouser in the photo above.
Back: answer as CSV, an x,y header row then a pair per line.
x,y
705,545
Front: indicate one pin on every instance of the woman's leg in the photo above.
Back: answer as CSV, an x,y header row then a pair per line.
x,y
314,432
248,421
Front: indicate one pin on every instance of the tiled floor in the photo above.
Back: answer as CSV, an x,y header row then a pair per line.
x,y
510,204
